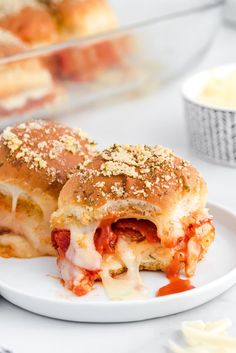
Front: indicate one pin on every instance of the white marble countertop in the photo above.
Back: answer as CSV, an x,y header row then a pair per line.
x,y
155,119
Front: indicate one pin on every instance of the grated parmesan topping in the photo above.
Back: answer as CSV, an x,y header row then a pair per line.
x,y
45,145
100,184
142,171
116,168
11,140
117,189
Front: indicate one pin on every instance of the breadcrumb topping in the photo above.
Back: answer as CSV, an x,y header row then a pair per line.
x,y
45,145
116,168
100,184
11,140
117,189
137,170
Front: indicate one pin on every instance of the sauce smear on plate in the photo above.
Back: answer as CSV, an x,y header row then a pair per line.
x,y
176,285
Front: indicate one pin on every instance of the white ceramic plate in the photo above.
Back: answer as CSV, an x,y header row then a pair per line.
x,y
32,284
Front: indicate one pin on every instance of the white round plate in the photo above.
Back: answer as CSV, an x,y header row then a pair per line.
x,y
33,284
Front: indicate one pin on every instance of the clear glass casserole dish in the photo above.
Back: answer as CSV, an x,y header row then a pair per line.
x,y
152,45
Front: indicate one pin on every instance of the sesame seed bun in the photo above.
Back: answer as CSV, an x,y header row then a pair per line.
x,y
36,159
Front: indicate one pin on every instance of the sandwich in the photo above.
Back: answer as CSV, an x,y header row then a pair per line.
x,y
36,160
78,19
131,208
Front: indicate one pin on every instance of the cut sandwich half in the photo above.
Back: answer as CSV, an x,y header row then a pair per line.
x,y
131,208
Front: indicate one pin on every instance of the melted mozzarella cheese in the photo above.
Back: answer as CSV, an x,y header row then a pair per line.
x,y
69,272
129,285
14,191
81,251
193,255
82,254
45,202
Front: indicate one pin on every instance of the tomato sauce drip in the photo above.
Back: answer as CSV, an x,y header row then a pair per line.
x,y
60,239
107,234
86,284
176,284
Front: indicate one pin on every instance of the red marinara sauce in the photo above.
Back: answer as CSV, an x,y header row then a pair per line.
x,y
60,239
176,284
107,233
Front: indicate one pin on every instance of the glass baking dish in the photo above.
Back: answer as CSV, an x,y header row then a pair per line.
x,y
152,45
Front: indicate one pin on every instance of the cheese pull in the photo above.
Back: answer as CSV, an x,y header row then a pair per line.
x,y
129,285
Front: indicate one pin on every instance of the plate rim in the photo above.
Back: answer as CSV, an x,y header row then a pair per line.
x,y
231,275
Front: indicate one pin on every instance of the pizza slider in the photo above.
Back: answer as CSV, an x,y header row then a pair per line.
x,y
36,159
131,208
82,18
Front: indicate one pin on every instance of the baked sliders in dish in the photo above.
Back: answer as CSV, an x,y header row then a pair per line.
x,y
24,84
131,208
29,20
77,19
36,159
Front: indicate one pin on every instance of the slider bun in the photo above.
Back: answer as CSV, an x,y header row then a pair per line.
x,y
141,180
83,18
41,155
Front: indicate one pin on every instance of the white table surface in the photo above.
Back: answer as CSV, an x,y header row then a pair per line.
x,y
154,119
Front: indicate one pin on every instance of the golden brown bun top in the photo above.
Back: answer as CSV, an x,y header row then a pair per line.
x,y
83,17
152,174
42,154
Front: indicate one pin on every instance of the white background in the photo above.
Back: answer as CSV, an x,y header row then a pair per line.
x,y
154,119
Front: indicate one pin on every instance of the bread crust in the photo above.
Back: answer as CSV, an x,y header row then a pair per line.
x,y
36,159
81,18
42,154
140,175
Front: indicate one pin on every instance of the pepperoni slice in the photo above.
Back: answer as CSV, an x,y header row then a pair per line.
x,y
61,239
143,227
107,234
